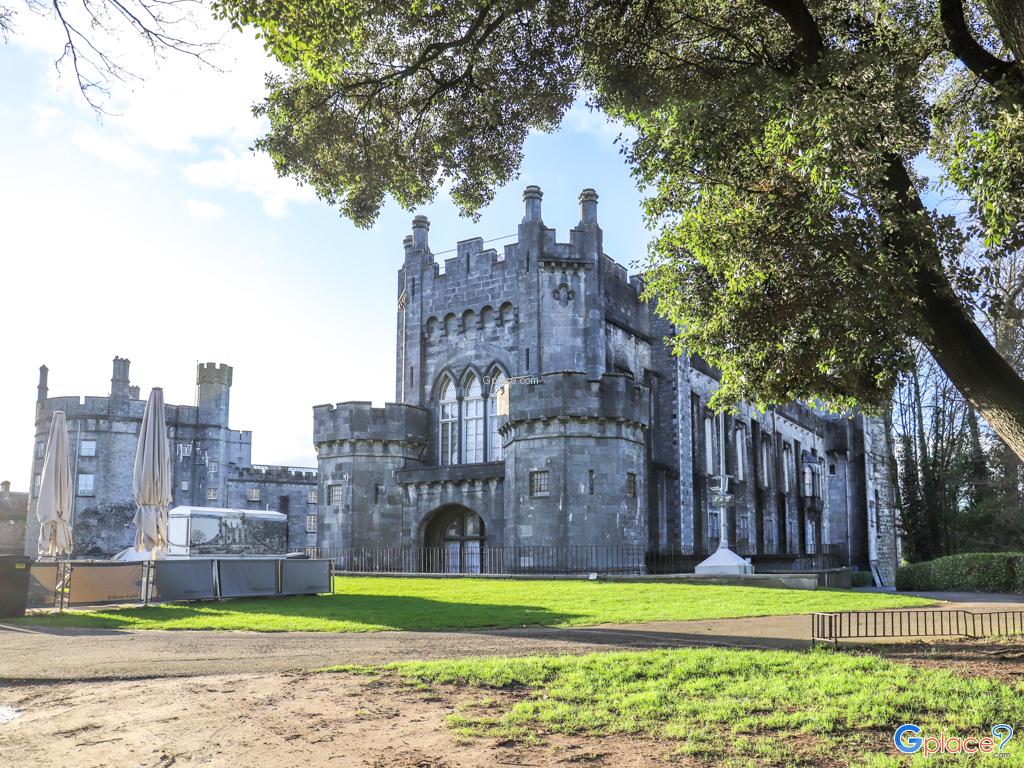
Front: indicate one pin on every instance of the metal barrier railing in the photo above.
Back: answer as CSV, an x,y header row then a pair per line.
x,y
852,625
69,583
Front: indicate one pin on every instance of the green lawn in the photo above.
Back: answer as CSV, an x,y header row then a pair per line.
x,y
727,707
374,604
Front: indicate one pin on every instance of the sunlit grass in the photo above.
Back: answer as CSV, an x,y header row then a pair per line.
x,y
363,604
729,707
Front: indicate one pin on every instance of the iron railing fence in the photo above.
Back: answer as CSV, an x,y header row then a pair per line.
x,y
851,625
473,558
481,560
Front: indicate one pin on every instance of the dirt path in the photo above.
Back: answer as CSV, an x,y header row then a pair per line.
x,y
32,653
81,654
273,721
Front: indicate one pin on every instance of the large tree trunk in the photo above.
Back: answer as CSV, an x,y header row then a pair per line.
x,y
1008,16
974,366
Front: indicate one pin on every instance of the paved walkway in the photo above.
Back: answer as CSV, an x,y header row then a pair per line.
x,y
34,653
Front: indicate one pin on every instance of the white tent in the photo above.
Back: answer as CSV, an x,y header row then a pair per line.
x,y
152,478
53,507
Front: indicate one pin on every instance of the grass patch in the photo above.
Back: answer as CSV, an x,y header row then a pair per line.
x,y
364,604
750,708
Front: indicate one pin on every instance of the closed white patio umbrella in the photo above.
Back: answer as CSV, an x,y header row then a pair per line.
x,y
53,507
152,478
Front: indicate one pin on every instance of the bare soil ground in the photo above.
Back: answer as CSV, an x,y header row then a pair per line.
x,y
274,721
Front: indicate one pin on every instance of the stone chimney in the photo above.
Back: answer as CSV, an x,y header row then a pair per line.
x,y
531,203
420,228
5,487
588,207
119,385
42,389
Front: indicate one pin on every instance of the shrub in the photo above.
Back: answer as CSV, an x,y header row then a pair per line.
x,y
973,572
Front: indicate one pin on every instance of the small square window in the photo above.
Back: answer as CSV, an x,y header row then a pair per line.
x,y
311,497
40,449
184,485
631,484
87,448
86,485
211,494
311,523
212,467
253,494
336,494
184,450
36,482
539,483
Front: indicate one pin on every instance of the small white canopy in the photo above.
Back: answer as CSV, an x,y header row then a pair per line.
x,y
53,507
152,478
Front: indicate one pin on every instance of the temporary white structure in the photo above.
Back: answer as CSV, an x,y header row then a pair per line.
x,y
152,478
53,507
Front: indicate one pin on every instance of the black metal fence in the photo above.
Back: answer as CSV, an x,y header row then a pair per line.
x,y
851,625
473,558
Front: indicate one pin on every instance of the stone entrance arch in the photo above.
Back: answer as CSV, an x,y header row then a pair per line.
x,y
453,538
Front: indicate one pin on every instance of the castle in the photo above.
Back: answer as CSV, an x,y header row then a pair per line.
x,y
212,463
538,405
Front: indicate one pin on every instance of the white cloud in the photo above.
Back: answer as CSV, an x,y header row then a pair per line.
x,y
582,119
204,210
113,150
249,173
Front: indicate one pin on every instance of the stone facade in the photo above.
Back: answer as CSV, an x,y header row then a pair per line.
x,y
212,463
538,405
13,510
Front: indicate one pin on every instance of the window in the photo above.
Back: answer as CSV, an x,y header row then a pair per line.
x,y
590,481
741,453
311,496
494,448
253,494
212,467
86,485
211,494
787,467
449,423
527,358
473,421
709,444
539,483
36,482
184,450
812,480
40,449
87,448
336,495
184,485
631,484
378,493
766,462
310,523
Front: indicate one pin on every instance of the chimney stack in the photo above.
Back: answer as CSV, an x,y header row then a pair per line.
x,y
588,207
420,227
531,203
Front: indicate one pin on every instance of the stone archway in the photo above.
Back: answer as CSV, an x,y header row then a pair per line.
x,y
453,540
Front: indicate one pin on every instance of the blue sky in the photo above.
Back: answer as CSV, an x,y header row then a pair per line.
x,y
158,236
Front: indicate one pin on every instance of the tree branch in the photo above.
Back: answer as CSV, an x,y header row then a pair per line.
x,y
1004,76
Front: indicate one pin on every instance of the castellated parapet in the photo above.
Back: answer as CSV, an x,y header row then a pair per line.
x,y
357,420
567,395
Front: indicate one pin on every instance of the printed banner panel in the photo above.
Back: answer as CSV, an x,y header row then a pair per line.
x,y
183,580
248,578
305,577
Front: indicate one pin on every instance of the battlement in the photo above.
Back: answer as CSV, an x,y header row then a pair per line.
x,y
266,473
214,373
572,395
395,422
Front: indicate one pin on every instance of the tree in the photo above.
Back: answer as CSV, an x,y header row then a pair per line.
x,y
776,139
94,34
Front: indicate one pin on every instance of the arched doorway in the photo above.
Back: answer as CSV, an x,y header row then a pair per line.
x,y
454,538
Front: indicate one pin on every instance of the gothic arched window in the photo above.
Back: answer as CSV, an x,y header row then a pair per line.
x,y
473,421
448,417
493,418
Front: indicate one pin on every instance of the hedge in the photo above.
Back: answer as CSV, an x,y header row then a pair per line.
x,y
973,572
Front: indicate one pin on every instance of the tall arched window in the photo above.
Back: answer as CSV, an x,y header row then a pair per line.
x,y
494,420
448,415
473,421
